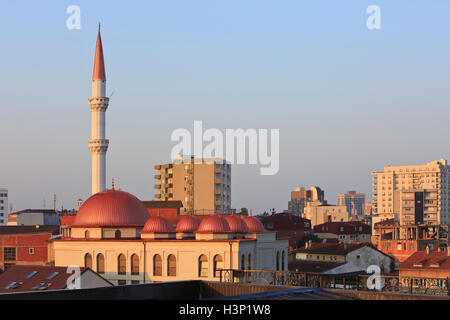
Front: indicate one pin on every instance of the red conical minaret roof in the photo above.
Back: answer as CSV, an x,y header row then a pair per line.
x,y
99,63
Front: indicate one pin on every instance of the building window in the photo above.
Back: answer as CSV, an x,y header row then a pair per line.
x,y
243,262
203,266
9,254
278,261
134,264
249,262
157,265
100,263
121,264
31,250
86,234
218,264
88,261
117,234
282,260
171,266
122,282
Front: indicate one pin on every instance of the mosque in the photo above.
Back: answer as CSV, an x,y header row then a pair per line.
x,y
114,234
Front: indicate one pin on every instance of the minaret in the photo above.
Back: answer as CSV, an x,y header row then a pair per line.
x,y
99,103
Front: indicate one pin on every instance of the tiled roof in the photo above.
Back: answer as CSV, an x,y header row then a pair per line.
x,y
28,229
385,223
332,248
18,275
312,266
353,227
435,260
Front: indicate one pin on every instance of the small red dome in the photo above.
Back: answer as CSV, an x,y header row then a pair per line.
x,y
254,225
111,208
213,224
188,224
236,224
157,225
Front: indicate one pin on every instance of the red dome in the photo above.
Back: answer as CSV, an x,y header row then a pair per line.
x,y
254,225
213,224
157,225
188,224
236,224
111,208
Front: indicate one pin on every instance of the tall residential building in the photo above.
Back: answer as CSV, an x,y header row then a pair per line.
x,y
3,206
300,197
418,207
354,202
395,182
202,185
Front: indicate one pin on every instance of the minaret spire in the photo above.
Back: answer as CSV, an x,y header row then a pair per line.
x,y
98,144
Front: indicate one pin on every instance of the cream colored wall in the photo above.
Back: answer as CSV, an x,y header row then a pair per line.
x,y
187,253
318,214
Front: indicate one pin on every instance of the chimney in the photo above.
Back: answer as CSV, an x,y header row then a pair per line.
x,y
309,243
448,251
427,249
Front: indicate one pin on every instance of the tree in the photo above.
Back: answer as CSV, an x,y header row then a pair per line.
x,y
307,237
244,211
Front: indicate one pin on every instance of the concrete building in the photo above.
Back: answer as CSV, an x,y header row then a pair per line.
x,y
114,235
339,258
33,217
318,213
355,202
3,206
300,197
388,185
347,232
419,206
202,185
26,245
288,226
98,144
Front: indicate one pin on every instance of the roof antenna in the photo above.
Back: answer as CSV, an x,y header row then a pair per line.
x,y
113,184
99,27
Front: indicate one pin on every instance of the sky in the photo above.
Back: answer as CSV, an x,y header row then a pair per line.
x,y
346,100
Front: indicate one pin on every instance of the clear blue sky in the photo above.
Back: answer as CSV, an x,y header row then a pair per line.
x,y
347,100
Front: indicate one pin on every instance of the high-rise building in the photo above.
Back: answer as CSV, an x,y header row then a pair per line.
x,y
202,185
353,201
3,206
300,197
396,182
98,144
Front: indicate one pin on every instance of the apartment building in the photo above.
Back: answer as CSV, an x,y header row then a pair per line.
x,y
202,185
396,182
3,206
318,212
300,197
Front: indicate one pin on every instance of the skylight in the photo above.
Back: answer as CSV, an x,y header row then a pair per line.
x,y
31,275
54,274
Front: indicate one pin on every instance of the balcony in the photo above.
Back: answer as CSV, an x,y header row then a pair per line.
x,y
157,186
158,196
217,181
217,202
218,170
157,167
157,176
217,191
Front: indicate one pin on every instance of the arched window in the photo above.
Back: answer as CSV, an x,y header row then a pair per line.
x,y
282,260
218,264
86,234
243,262
203,266
134,264
171,266
249,262
157,265
121,264
117,234
278,260
88,261
100,263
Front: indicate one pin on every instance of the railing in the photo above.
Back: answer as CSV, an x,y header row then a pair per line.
x,y
348,281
